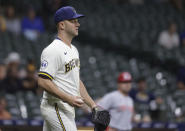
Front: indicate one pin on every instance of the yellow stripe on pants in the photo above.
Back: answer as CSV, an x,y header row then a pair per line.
x,y
59,118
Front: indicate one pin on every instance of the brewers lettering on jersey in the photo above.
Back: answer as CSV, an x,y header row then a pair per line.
x,y
59,75
72,64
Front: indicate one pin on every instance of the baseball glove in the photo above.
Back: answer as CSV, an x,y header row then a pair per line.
x,y
100,118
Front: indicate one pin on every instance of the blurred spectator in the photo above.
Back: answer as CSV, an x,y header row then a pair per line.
x,y
143,97
2,21
2,75
30,81
169,38
12,22
12,83
32,25
14,60
4,114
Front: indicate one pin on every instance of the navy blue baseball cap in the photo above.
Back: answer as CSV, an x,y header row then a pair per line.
x,y
66,13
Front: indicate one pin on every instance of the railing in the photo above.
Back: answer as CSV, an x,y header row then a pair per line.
x,y
36,125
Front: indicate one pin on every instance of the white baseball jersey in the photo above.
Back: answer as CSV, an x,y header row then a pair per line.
x,y
61,64
121,109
